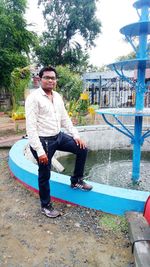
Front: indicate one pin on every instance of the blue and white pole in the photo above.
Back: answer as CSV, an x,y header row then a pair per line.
x,y
140,91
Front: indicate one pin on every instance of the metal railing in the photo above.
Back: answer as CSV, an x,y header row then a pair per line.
x,y
114,99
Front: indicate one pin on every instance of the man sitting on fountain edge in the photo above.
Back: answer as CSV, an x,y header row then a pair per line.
x,y
45,115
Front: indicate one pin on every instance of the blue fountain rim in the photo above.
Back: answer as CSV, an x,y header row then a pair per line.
x,y
122,200
131,64
124,112
136,29
141,3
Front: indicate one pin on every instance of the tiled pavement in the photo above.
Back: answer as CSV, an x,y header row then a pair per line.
x,y
8,128
9,140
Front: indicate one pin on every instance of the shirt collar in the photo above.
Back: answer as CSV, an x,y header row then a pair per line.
x,y
43,93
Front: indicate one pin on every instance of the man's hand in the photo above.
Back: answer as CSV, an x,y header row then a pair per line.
x,y
80,143
43,159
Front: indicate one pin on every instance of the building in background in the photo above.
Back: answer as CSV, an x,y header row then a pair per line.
x,y
107,89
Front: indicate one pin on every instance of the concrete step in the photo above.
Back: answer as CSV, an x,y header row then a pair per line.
x,y
139,231
8,141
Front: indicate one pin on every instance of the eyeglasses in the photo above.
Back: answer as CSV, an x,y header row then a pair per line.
x,y
49,78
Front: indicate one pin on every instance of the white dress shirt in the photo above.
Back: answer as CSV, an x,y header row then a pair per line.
x,y
45,117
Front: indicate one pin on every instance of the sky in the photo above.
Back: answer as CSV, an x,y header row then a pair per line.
x,y
113,14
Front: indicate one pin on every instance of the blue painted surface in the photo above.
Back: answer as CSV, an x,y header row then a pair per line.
x,y
128,112
136,29
141,3
131,64
137,142
106,198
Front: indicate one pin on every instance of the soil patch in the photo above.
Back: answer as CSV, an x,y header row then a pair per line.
x,y
80,237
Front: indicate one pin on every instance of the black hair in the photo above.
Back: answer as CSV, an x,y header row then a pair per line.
x,y
49,68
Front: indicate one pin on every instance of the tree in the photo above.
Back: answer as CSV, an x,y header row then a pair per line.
x,y
20,78
69,84
92,68
71,29
15,39
127,57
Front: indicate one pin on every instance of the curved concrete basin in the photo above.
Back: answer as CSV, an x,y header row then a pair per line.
x,y
106,198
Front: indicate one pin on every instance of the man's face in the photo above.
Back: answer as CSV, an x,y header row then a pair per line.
x,y
48,80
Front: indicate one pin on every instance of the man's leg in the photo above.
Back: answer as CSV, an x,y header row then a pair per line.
x,y
43,181
68,144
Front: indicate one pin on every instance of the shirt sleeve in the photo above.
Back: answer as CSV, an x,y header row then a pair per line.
x,y
31,109
67,123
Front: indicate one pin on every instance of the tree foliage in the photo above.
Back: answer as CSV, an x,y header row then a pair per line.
x,y
15,39
69,84
20,78
72,27
127,57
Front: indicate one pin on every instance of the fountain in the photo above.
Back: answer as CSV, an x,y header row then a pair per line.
x,y
141,30
111,199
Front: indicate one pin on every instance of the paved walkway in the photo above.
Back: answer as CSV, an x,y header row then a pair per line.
x,y
9,130
9,140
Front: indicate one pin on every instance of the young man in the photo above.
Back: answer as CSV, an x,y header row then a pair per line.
x,y
45,115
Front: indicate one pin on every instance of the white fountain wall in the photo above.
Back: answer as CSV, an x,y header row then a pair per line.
x,y
96,137
104,137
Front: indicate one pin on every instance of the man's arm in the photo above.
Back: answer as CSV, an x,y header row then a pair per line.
x,y
31,109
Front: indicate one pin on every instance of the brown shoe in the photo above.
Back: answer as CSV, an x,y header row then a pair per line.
x,y
81,185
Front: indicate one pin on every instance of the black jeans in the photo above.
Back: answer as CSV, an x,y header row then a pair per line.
x,y
61,142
